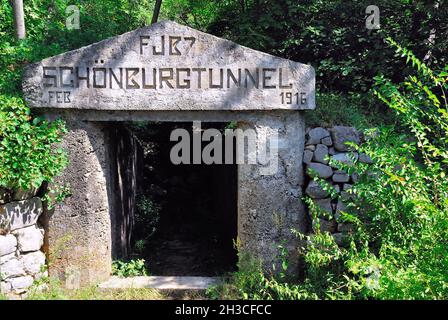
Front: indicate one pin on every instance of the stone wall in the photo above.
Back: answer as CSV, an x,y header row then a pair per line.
x,y
321,145
21,240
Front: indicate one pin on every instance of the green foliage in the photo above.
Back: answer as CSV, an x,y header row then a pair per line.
x,y
399,206
52,289
27,155
357,110
332,36
131,268
398,210
147,218
140,246
250,282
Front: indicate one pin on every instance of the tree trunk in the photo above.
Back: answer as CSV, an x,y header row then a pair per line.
x,y
155,15
19,19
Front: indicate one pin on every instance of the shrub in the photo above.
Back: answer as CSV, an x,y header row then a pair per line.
x,y
398,210
131,268
399,207
357,110
27,153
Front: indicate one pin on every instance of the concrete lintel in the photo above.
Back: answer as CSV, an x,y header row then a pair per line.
x,y
165,115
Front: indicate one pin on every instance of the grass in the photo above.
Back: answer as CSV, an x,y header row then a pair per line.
x,y
53,290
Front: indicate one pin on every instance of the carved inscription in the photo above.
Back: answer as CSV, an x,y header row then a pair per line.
x,y
59,81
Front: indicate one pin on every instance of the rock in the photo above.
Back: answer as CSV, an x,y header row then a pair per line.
x,y
346,186
7,257
346,196
20,284
345,227
364,158
340,207
20,214
21,194
8,244
355,177
12,268
327,141
311,147
340,177
337,188
5,287
29,239
331,151
325,205
345,157
33,262
340,239
315,191
321,154
341,135
327,226
321,170
316,135
307,156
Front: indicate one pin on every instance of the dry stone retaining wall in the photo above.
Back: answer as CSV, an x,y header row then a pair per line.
x,y
323,144
21,239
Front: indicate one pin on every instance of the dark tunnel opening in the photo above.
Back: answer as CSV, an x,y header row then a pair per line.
x,y
182,219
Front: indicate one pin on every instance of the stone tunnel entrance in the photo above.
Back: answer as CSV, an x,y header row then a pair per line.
x,y
171,73
182,219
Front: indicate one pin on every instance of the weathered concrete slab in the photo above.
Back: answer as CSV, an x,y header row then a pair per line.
x,y
78,237
162,283
167,66
269,206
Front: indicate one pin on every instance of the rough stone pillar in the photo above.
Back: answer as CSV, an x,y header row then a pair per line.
x,y
269,206
78,240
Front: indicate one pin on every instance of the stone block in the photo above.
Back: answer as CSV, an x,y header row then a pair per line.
x,y
7,257
8,244
315,135
315,191
33,262
327,141
5,287
327,225
341,135
321,154
321,170
20,284
307,156
325,205
347,158
29,239
345,227
340,207
311,147
12,268
364,158
340,177
340,239
20,214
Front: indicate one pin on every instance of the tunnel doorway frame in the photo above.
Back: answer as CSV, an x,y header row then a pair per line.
x,y
268,207
127,168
